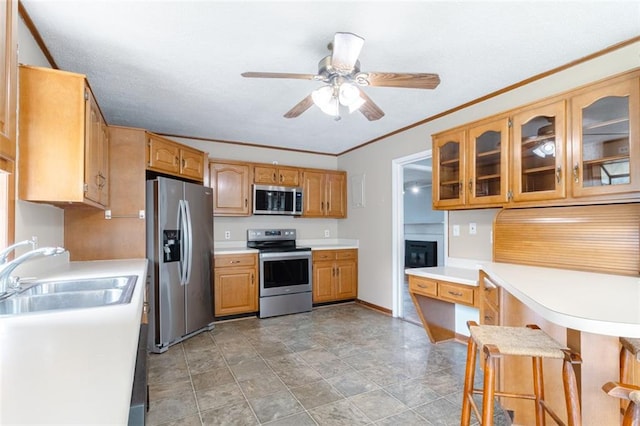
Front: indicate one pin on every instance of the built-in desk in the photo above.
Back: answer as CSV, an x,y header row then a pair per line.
x,y
435,291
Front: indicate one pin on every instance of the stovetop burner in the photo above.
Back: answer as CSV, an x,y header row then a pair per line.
x,y
273,240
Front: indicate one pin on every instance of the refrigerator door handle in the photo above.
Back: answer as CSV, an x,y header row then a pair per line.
x,y
182,226
189,242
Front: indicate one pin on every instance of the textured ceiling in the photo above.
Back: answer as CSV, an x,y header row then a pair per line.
x,y
174,67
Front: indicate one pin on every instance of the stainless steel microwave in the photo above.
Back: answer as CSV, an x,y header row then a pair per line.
x,y
282,200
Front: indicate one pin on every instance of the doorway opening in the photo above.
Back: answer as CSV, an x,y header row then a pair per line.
x,y
418,231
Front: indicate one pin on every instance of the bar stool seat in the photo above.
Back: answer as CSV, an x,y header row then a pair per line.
x,y
630,349
529,341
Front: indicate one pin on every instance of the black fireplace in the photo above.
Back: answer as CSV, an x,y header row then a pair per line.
x,y
419,254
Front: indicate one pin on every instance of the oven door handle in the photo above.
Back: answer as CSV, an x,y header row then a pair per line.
x,y
285,255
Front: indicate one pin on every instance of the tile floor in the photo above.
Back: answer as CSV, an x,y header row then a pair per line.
x,y
338,365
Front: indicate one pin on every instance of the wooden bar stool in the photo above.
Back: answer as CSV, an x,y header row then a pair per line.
x,y
629,353
628,393
530,341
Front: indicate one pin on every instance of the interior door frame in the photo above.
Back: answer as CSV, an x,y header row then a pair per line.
x,y
397,234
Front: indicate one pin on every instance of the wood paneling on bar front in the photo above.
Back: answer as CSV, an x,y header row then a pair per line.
x,y
602,238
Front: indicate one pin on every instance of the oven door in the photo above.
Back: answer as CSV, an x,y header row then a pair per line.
x,y
285,272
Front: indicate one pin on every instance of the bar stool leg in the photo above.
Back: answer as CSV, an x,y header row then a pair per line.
x,y
469,377
571,392
538,389
492,354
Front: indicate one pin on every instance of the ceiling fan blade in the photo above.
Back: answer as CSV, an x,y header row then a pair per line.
x,y
389,79
369,109
345,51
278,75
300,107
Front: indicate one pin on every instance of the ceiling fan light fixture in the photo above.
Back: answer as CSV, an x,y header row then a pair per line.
x,y
325,99
349,96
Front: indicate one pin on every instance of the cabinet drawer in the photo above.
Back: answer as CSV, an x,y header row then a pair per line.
x,y
323,255
456,293
490,293
423,286
490,316
346,254
225,261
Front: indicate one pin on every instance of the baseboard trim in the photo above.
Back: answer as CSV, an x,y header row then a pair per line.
x,y
375,307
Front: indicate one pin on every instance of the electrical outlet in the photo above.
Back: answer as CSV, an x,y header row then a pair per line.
x,y
327,234
472,228
456,230
227,235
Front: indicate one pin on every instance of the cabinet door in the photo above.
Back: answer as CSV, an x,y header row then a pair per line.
x,y
192,163
487,182
605,140
313,193
230,183
288,176
234,291
8,88
265,175
449,171
538,153
335,195
346,279
323,278
164,155
93,147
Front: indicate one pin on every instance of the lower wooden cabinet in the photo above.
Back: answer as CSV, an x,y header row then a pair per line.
x,y
335,275
490,301
235,285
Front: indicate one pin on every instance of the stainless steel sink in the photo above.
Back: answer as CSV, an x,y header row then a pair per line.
x,y
103,283
70,294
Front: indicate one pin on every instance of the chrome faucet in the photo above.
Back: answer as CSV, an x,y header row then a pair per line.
x,y
7,268
4,254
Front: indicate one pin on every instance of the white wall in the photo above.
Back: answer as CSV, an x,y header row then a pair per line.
x,y
372,225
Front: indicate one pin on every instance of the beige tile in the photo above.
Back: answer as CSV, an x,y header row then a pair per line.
x,y
212,378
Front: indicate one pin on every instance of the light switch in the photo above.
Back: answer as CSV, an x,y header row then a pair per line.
x,y
472,228
456,230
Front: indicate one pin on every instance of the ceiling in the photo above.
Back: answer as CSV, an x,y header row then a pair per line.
x,y
173,67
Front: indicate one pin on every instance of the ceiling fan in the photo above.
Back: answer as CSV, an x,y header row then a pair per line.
x,y
340,71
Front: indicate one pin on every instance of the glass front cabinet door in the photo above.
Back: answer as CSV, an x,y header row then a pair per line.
x,y
449,169
538,153
605,140
487,180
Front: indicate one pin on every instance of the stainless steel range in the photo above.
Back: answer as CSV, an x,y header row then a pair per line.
x,y
285,272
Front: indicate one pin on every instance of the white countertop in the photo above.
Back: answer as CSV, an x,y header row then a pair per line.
x,y
74,366
240,247
448,273
596,303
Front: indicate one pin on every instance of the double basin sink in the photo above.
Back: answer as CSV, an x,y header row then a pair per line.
x,y
69,294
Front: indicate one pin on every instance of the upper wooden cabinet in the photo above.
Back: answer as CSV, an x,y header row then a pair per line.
x,y
575,148
538,153
276,175
605,139
167,156
8,87
231,185
325,193
487,151
449,171
63,140
471,165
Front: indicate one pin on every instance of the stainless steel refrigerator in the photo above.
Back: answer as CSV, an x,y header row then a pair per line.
x,y
179,249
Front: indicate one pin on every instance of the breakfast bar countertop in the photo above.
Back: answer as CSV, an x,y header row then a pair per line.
x,y
597,303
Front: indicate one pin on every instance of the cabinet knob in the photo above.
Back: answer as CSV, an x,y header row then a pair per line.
x,y
576,169
558,173
234,261
455,293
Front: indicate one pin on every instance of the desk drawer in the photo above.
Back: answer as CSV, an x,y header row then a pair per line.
x,y
456,293
423,286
